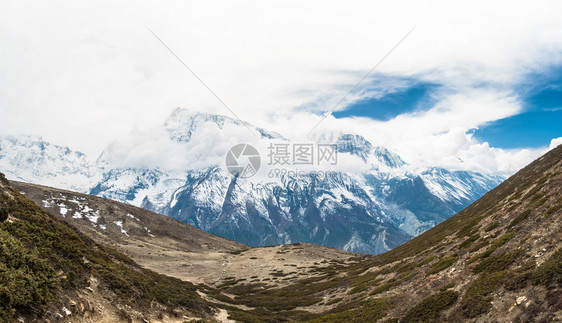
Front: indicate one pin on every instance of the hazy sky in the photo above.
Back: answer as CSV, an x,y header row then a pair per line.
x,y
475,83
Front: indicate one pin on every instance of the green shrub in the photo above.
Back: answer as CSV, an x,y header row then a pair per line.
x,y
518,219
518,280
404,267
260,315
476,299
492,226
479,245
385,287
365,280
368,311
305,292
442,264
428,310
501,241
334,301
3,213
469,241
469,228
549,272
495,245
497,263
552,209
449,285
27,282
426,261
535,189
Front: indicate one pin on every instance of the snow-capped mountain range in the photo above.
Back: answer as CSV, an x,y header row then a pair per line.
x,y
373,210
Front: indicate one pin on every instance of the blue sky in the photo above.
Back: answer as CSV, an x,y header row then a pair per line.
x,y
539,121
417,97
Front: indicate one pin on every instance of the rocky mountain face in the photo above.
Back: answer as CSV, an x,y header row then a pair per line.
x,y
370,212
335,211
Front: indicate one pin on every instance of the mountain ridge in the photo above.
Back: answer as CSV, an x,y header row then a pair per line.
x,y
369,212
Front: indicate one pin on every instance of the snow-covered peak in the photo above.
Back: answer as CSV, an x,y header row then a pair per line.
x,y
137,186
359,146
388,158
355,145
183,123
458,185
31,159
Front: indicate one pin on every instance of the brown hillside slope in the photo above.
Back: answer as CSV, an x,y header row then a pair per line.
x,y
498,260
174,248
51,272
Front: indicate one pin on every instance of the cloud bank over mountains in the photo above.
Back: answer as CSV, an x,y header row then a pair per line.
x,y
90,75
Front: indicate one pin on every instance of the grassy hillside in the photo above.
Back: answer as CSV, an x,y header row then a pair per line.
x,y
499,259
49,270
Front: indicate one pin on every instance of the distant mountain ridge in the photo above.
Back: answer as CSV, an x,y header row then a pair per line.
x,y
371,212
31,159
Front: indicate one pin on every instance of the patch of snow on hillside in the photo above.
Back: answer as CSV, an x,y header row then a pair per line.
x,y
149,233
132,216
62,209
120,225
93,217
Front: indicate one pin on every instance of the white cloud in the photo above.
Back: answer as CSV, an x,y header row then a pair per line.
x,y
555,142
86,74
440,136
